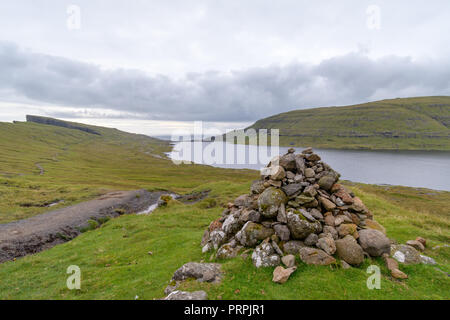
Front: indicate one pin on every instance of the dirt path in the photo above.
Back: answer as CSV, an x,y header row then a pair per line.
x,y
44,231
41,170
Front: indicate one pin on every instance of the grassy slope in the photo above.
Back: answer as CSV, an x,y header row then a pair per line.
x,y
114,259
79,166
409,124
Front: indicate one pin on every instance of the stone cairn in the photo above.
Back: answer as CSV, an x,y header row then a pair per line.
x,y
297,208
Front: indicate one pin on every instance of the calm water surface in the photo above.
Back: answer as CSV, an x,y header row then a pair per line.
x,y
427,169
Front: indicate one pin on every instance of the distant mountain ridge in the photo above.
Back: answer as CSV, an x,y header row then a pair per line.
x,y
421,123
60,123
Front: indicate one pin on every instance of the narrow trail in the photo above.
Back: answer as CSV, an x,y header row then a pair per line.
x,y
44,231
29,236
41,170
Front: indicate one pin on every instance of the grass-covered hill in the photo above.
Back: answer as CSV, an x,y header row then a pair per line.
x,y
78,165
114,258
421,123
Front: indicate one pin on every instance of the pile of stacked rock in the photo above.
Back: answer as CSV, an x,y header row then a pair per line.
x,y
297,208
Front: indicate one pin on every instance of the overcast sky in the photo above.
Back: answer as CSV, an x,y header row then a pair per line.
x,y
226,62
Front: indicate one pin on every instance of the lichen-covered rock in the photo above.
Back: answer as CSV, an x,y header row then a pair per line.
x,y
203,272
405,254
349,250
282,231
348,228
213,240
300,227
315,256
232,224
270,200
257,187
292,189
327,244
374,242
332,231
184,295
265,256
293,247
252,233
311,239
227,251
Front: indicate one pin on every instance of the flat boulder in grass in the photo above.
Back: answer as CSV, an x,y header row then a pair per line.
x,y
405,254
316,256
203,272
184,295
374,242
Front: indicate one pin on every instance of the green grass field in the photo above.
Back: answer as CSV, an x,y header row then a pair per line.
x,y
399,124
114,258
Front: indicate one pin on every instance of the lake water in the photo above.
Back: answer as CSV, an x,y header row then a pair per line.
x,y
426,169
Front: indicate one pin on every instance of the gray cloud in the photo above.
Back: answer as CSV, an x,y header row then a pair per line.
x,y
244,95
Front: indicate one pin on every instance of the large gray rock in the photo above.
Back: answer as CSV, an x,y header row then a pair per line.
x,y
332,231
257,187
282,231
300,227
349,250
374,242
227,251
216,239
265,256
327,244
232,224
270,200
293,247
277,173
252,233
326,182
288,162
292,189
315,256
311,239
203,272
184,295
405,254
300,164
